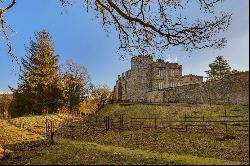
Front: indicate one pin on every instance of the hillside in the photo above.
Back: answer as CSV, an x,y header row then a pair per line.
x,y
80,141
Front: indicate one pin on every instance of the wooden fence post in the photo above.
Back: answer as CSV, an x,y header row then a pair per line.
x,y
107,122
51,130
110,122
121,121
46,127
186,127
225,125
155,122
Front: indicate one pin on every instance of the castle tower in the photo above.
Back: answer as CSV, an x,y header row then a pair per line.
x,y
140,82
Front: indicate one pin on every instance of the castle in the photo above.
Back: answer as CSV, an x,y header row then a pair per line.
x,y
147,79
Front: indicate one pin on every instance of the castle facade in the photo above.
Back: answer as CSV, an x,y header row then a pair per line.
x,y
147,78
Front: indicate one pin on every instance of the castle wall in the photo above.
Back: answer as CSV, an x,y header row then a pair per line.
x,y
191,79
149,81
140,82
232,89
166,75
155,96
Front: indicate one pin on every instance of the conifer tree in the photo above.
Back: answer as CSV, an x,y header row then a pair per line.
x,y
219,68
39,88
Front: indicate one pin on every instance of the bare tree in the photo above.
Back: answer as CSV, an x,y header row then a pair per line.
x,y
76,83
151,26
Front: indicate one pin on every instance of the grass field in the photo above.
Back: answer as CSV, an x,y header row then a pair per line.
x,y
78,142
78,152
37,123
10,134
173,111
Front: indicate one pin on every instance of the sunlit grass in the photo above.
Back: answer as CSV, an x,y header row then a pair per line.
x,y
174,111
10,134
76,152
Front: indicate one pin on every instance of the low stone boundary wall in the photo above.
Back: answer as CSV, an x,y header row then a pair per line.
x,y
232,89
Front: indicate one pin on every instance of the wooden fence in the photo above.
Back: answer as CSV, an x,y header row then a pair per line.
x,y
225,124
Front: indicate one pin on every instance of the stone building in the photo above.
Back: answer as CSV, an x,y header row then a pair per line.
x,y
191,79
159,81
146,76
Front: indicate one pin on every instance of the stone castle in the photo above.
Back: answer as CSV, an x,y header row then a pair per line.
x,y
147,78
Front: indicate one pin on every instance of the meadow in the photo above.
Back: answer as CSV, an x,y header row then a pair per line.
x,y
80,141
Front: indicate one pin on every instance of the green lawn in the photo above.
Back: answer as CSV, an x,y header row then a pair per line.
x,y
173,111
78,142
79,152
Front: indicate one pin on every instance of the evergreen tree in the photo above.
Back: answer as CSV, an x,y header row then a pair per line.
x,y
39,88
218,69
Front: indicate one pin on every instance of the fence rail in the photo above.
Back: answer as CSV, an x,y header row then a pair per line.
x,y
188,123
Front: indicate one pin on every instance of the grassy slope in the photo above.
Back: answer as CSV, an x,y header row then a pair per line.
x,y
75,152
197,144
173,112
24,128
141,147
31,122
10,134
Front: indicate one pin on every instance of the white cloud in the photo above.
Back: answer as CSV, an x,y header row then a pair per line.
x,y
171,59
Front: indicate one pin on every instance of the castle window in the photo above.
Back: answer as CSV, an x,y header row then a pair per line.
x,y
171,72
159,72
160,85
172,84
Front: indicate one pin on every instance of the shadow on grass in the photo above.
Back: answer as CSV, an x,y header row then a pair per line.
x,y
22,151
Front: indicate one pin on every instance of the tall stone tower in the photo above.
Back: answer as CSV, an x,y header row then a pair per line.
x,y
147,79
141,77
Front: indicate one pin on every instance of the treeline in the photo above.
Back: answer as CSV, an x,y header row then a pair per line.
x,y
46,87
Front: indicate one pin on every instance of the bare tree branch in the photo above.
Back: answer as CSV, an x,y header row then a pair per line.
x,y
4,10
153,26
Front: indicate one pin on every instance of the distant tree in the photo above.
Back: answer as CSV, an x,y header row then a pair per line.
x,y
89,106
101,95
147,27
235,71
76,83
5,102
39,88
219,68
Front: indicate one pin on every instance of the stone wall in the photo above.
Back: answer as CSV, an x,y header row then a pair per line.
x,y
231,89
155,96
191,79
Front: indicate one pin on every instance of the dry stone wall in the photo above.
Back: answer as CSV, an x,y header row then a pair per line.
x,y
233,89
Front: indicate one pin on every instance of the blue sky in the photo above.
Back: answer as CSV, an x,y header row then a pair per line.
x,y
78,36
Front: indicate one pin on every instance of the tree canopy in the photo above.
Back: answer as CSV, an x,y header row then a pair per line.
x,y
219,68
39,88
148,26
76,84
